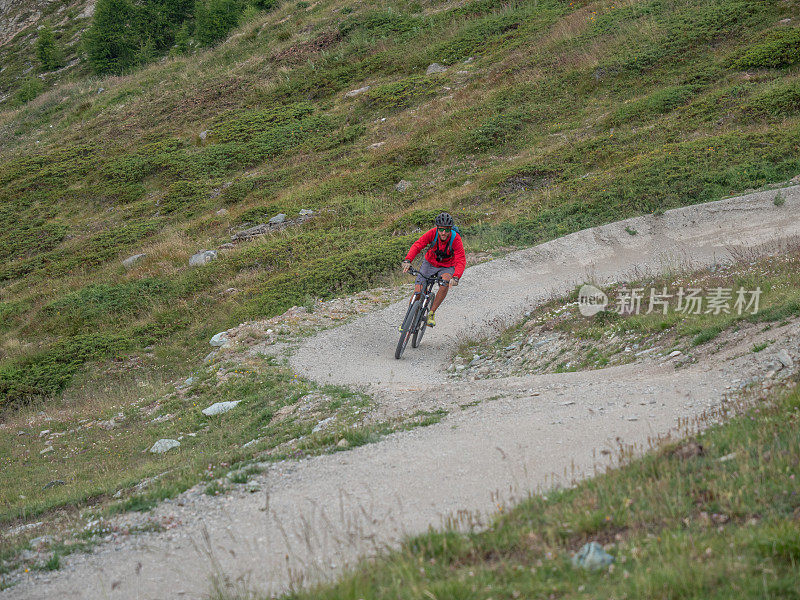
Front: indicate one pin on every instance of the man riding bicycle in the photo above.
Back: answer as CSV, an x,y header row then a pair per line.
x,y
445,258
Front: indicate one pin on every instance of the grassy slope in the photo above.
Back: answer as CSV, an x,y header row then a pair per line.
x,y
571,114
680,522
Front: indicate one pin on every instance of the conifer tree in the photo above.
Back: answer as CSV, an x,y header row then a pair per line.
x,y
47,51
111,41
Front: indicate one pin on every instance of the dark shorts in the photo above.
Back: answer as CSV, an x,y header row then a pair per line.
x,y
429,270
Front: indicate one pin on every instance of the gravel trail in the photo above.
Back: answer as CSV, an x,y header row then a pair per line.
x,y
502,437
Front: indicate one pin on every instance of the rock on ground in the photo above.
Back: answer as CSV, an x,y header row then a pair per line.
x,y
203,257
163,445
131,261
219,408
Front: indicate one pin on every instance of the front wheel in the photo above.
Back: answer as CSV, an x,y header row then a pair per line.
x,y
420,329
407,328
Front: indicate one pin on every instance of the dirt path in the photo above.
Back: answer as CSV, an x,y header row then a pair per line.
x,y
502,438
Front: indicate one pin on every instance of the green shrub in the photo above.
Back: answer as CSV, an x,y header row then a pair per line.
x,y
48,53
184,197
494,132
410,156
100,303
29,89
475,36
659,102
779,48
781,100
48,372
214,19
380,24
417,219
400,94
339,273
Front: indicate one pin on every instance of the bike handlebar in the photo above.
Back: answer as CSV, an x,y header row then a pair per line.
x,y
437,278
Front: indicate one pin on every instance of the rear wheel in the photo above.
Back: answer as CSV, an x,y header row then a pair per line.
x,y
407,328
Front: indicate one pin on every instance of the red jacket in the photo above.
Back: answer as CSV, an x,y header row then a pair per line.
x,y
458,259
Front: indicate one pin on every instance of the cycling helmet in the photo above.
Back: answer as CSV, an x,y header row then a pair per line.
x,y
444,220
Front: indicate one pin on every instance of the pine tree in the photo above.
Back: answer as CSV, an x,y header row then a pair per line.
x,y
182,40
214,19
47,51
111,41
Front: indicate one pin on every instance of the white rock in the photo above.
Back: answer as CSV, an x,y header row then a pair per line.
x,y
727,457
675,353
219,339
277,219
203,257
132,260
785,359
219,408
163,445
222,212
306,212
435,68
402,185
376,145
322,425
354,93
203,135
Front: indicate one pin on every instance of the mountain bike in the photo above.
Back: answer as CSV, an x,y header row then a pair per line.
x,y
416,320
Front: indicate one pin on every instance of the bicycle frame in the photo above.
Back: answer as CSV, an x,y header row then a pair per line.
x,y
420,304
427,290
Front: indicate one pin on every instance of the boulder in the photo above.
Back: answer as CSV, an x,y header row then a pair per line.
x,y
306,212
203,257
132,260
163,445
277,219
219,339
222,212
402,185
785,359
354,93
250,232
592,556
435,68
219,408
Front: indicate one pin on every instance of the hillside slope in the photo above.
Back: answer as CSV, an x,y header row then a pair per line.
x,y
501,438
550,117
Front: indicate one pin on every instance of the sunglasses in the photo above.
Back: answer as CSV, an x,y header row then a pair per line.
x,y
444,230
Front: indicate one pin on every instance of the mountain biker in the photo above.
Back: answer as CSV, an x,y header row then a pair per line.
x,y
445,257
